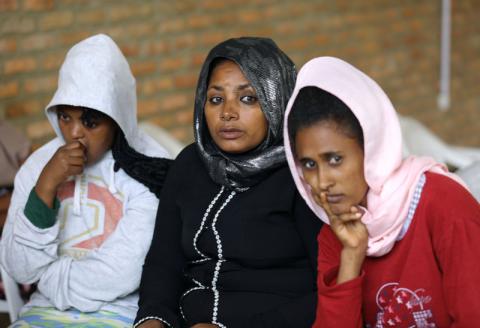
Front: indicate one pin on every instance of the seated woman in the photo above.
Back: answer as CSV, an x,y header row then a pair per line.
x,y
83,207
234,243
401,248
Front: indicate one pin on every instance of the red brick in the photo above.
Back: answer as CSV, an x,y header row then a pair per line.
x,y
8,45
224,20
90,17
16,24
153,86
184,117
37,42
158,47
212,38
184,7
147,107
23,108
184,134
198,59
322,39
297,43
131,31
136,9
164,121
68,39
143,68
274,12
130,50
186,81
135,30
249,17
36,5
52,61
174,25
171,64
185,41
40,85
56,20
214,4
7,5
174,101
8,89
19,65
39,129
198,22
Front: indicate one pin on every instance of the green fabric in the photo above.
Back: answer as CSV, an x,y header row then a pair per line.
x,y
38,317
39,213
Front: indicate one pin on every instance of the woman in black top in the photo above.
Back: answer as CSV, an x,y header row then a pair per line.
x,y
234,243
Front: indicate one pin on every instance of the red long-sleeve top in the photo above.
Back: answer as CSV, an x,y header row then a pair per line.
x,y
431,278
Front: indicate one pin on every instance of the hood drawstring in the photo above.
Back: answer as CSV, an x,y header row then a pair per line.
x,y
111,183
77,209
81,189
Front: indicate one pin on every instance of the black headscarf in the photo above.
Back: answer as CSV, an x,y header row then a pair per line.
x,y
272,74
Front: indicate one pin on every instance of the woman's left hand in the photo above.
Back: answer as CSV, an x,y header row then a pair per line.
x,y
205,325
352,234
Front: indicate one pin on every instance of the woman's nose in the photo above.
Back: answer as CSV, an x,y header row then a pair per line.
x,y
229,111
324,180
77,131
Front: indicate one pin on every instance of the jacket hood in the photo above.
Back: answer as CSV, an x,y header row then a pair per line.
x,y
96,75
392,180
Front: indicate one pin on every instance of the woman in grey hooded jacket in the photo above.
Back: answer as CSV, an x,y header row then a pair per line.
x,y
83,208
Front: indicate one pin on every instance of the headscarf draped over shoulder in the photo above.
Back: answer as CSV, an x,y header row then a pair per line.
x,y
272,75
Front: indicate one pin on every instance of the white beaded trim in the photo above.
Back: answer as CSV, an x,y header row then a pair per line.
x,y
413,206
185,294
205,216
200,260
151,318
216,296
206,258
198,283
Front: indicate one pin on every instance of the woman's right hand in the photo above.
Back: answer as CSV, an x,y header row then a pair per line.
x,y
152,324
67,161
352,234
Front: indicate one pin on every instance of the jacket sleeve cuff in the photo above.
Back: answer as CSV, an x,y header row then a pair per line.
x,y
328,281
38,213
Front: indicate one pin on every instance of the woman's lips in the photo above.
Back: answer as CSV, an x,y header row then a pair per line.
x,y
334,199
230,133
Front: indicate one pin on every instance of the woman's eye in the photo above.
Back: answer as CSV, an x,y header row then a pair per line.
x,y
308,164
62,116
90,124
249,99
215,100
335,160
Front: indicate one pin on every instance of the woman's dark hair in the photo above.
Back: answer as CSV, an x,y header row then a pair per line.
x,y
150,171
314,105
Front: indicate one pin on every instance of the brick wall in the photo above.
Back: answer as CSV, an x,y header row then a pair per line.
x,y
396,42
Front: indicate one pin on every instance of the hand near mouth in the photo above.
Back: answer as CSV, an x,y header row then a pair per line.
x,y
352,234
68,160
348,227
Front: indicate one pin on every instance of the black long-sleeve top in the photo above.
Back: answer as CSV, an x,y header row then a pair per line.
x,y
247,259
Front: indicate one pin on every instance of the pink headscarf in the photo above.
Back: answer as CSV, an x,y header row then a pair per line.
x,y
391,179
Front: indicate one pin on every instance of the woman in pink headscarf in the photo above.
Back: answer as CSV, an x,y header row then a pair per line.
x,y
400,248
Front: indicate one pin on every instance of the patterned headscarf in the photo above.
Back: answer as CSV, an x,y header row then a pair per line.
x,y
272,74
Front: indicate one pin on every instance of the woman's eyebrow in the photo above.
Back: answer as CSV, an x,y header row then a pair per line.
x,y
215,87
244,86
